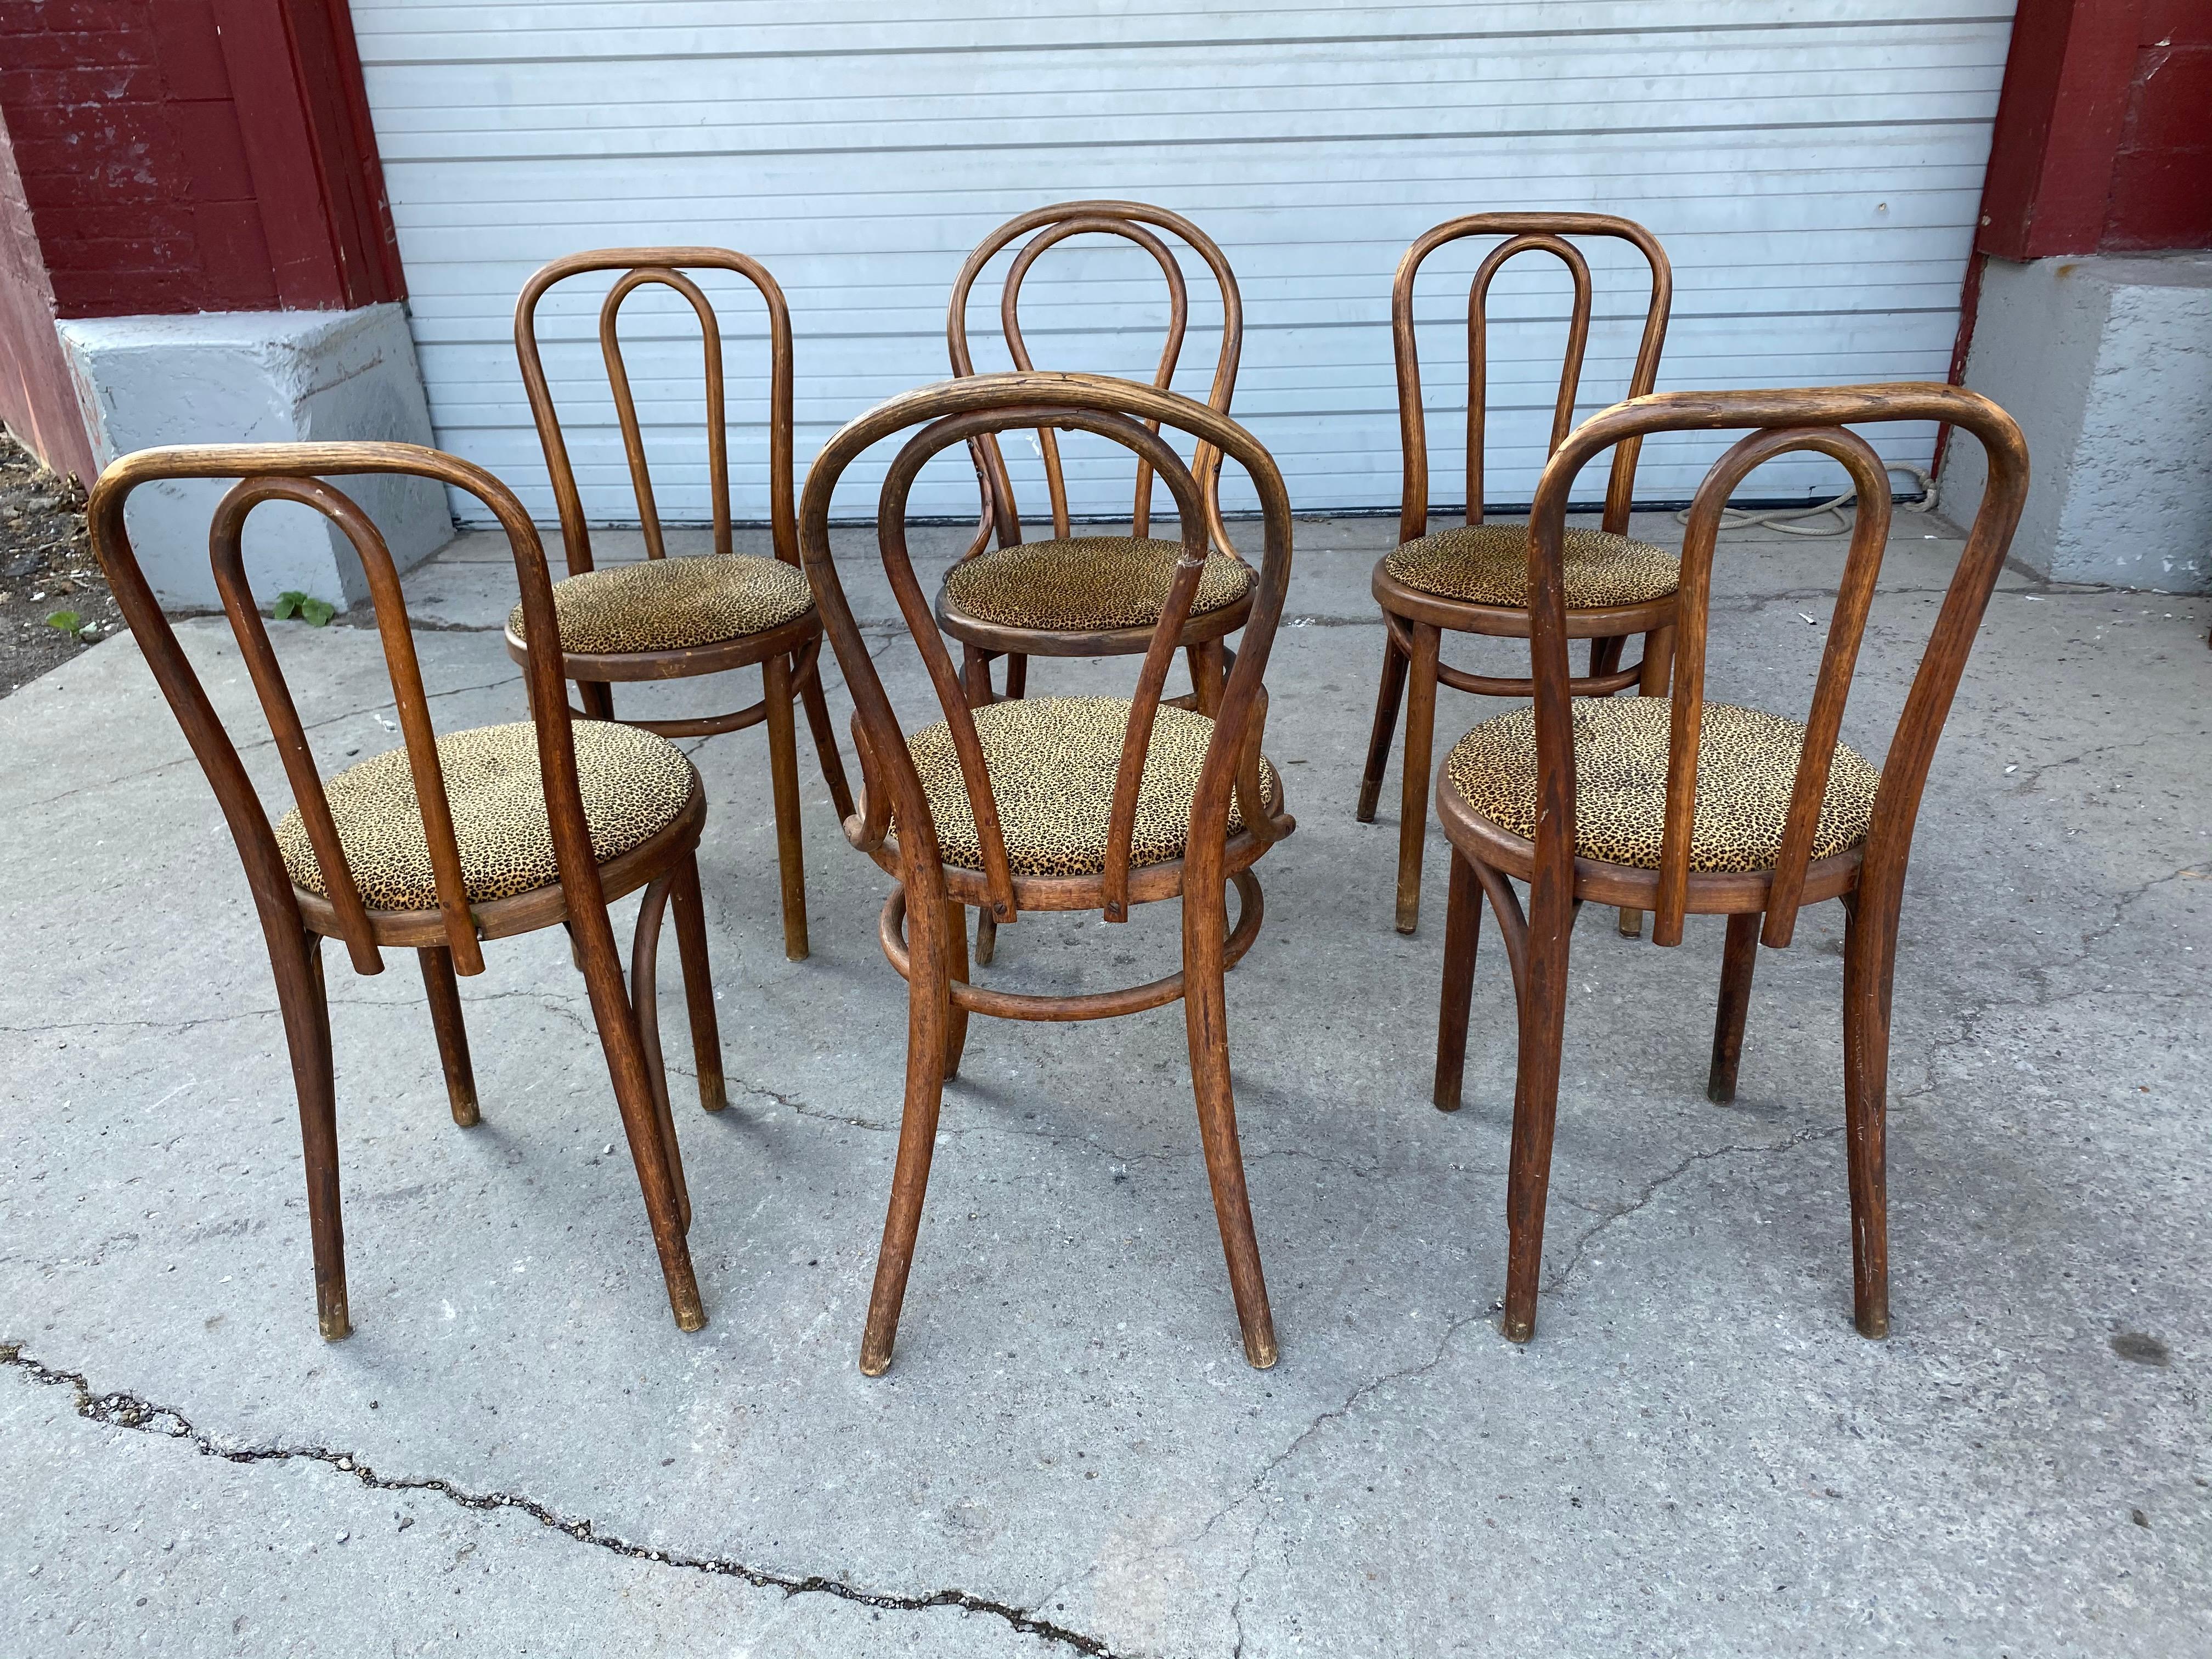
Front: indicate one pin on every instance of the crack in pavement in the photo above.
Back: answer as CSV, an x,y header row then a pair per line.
x,y
127,1411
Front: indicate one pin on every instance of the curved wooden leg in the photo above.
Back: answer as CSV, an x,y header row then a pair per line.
x,y
645,998
1657,680
628,1069
1605,653
698,986
1462,930
452,1033
1738,960
1386,725
929,1007
987,936
825,739
1540,996
298,962
1869,959
1017,675
1205,1015
1413,794
596,698
956,965
783,776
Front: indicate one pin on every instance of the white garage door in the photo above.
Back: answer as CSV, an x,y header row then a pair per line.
x,y
1814,168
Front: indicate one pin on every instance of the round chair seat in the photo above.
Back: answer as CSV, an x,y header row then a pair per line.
x,y
1052,762
634,785
1488,564
1086,582
1746,767
668,605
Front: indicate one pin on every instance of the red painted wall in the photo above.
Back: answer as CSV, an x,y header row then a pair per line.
x,y
2103,142
172,156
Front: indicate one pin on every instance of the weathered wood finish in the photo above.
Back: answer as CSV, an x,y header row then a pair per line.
x,y
1415,620
789,656
923,923
985,642
294,921
1869,880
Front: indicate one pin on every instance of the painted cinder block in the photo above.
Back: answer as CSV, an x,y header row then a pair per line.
x,y
258,377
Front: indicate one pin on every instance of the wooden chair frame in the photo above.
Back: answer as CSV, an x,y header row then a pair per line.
x,y
982,642
789,656
1869,880
1417,620
448,940
924,921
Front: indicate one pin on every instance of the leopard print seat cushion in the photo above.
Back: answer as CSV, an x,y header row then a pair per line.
x,y
1488,564
633,786
1052,762
667,605
1086,582
1746,766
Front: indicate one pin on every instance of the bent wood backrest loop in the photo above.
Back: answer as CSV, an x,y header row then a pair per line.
x,y
1783,420
662,267
1525,233
1125,412
1056,224
1846,627
293,472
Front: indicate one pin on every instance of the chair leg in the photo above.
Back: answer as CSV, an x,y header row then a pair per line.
x,y
645,1000
452,1033
1208,675
1413,793
597,699
1540,999
300,993
956,961
929,1007
1386,725
783,774
1206,1016
699,985
1738,960
1462,930
615,1014
1869,959
1605,653
1657,680
825,741
1017,675
976,677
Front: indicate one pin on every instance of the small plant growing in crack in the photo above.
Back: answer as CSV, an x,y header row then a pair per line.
x,y
316,613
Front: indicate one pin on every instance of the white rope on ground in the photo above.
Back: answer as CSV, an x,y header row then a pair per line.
x,y
1785,518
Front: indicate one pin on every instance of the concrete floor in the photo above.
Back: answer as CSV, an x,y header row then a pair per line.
x,y
518,1452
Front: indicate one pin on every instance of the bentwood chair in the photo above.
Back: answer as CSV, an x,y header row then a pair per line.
x,y
1088,596
1681,806
445,841
1058,803
1474,578
669,618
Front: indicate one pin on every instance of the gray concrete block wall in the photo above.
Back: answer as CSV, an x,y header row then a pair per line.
x,y
2106,364
258,377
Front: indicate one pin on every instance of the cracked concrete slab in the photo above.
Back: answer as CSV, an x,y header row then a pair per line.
x,y
1697,1455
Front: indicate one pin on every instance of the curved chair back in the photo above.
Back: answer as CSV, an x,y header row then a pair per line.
x,y
294,473
1524,232
1125,413
663,267
1784,421
1054,225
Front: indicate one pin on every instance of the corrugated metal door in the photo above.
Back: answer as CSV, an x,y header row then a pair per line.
x,y
1813,168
